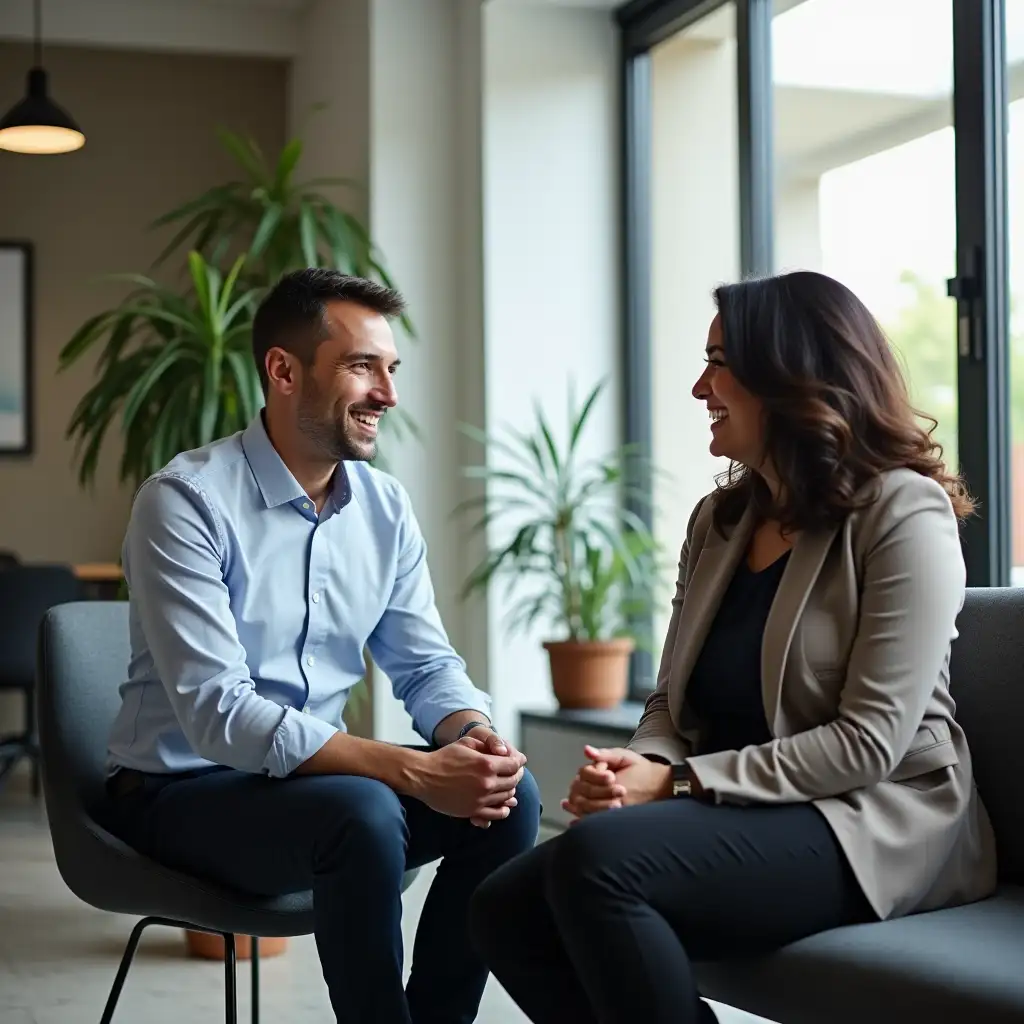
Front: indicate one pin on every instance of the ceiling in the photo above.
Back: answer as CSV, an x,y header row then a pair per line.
x,y
267,28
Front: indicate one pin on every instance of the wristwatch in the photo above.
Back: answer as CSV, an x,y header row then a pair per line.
x,y
682,780
469,726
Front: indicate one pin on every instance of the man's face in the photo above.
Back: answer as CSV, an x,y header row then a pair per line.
x,y
350,385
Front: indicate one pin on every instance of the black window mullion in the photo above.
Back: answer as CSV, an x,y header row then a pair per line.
x,y
756,160
637,366
981,286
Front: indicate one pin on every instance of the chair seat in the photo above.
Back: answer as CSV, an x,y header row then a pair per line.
x,y
944,967
109,875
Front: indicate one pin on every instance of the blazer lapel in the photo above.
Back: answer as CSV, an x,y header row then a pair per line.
x,y
798,578
716,563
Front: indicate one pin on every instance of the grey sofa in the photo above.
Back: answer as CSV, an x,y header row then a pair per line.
x,y
959,966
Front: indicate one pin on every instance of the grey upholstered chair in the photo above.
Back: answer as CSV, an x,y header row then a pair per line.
x,y
948,966
83,657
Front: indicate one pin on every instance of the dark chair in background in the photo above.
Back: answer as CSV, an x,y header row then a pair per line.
x,y
8,560
26,593
83,657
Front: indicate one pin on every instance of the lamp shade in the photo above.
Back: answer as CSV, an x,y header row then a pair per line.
x,y
37,124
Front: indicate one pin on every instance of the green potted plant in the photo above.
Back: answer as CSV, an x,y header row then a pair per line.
x,y
279,222
560,536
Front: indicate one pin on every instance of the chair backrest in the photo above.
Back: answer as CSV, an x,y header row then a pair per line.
x,y
987,683
83,659
26,592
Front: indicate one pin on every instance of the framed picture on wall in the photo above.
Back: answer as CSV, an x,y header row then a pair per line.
x,y
15,348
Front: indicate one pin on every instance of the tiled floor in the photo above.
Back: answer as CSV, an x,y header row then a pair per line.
x,y
58,956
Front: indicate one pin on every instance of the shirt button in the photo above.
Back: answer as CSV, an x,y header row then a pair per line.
x,y
305,711
305,504
310,660
316,598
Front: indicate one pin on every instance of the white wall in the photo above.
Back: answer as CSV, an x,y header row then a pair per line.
x,y
425,189
552,252
798,225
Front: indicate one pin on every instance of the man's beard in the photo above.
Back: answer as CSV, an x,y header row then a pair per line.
x,y
334,436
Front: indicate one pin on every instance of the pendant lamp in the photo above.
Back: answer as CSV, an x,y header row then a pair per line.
x,y
37,124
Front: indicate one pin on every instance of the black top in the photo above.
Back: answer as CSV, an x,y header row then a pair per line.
x,y
724,689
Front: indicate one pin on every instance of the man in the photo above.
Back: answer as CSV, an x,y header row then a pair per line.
x,y
259,569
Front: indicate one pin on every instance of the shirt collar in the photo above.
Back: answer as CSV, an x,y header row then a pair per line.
x,y
273,477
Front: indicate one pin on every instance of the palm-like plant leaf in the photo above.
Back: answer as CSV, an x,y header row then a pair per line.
x,y
588,562
280,223
175,368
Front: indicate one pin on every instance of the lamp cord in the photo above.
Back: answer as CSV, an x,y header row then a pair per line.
x,y
38,19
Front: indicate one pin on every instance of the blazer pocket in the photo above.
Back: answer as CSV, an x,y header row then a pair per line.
x,y
830,673
932,749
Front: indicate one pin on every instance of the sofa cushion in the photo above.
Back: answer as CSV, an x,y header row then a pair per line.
x,y
987,683
944,967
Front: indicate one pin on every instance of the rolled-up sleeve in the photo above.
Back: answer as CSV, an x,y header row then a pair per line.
x,y
174,553
411,646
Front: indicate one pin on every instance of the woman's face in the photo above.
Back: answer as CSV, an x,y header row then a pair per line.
x,y
737,416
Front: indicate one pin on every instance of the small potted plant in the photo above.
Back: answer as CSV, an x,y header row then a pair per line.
x,y
560,534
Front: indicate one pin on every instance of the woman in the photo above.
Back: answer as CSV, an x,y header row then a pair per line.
x,y
798,767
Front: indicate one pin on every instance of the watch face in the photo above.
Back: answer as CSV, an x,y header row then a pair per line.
x,y
681,782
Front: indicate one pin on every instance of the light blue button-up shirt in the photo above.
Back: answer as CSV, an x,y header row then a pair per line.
x,y
250,613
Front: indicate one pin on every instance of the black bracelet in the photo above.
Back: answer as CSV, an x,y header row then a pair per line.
x,y
472,725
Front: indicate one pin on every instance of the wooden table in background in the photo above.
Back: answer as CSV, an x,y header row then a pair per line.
x,y
100,580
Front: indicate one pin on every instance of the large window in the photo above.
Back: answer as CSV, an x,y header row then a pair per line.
x,y
867,140
865,171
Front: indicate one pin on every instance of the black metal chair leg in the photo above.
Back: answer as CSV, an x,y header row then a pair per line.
x,y
230,989
255,963
122,971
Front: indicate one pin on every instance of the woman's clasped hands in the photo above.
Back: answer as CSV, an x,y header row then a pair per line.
x,y
616,777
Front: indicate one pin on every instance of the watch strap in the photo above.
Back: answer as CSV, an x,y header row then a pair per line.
x,y
469,726
682,780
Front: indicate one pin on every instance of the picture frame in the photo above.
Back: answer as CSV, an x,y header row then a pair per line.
x,y
16,347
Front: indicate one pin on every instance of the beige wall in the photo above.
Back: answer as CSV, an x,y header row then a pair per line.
x,y
150,121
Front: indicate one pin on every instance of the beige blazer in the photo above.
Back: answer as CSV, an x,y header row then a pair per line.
x,y
855,680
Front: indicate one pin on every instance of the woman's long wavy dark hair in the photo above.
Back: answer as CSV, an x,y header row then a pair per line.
x,y
837,411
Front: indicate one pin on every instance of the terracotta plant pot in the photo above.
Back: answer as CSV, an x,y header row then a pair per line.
x,y
590,673
211,947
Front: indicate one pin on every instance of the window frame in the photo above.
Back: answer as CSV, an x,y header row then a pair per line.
x,y
980,121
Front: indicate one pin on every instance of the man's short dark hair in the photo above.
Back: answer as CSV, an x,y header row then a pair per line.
x,y
292,316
